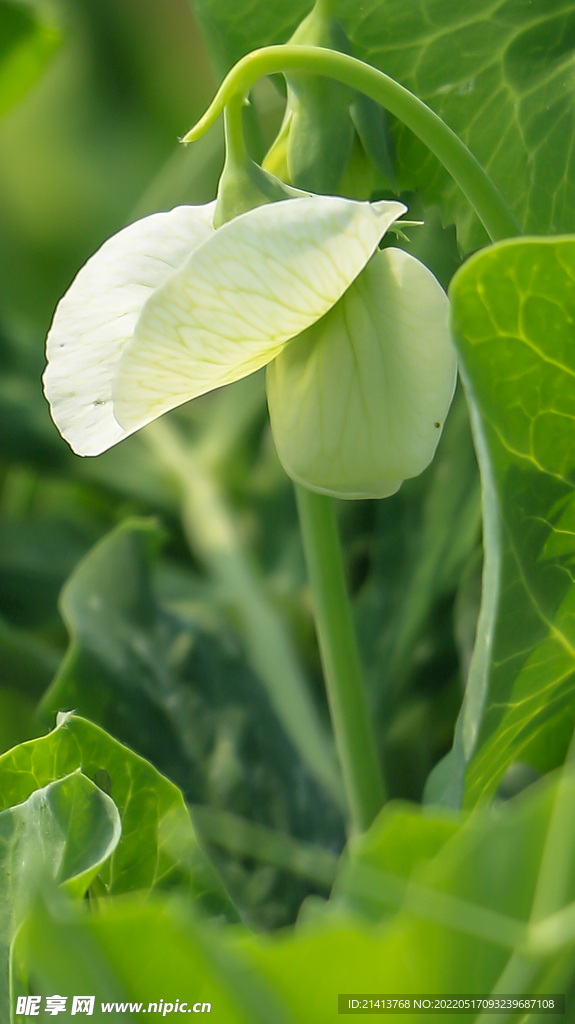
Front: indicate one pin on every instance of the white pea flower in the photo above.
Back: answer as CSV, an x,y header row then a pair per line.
x,y
361,371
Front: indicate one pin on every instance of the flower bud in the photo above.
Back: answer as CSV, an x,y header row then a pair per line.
x,y
317,132
332,138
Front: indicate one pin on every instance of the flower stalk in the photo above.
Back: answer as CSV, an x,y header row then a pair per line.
x,y
347,698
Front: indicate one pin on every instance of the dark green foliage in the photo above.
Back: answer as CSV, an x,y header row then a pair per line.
x,y
184,697
195,666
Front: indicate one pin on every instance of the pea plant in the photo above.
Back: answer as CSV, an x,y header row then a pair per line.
x,y
339,765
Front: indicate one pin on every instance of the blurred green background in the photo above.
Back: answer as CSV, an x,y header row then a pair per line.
x,y
160,589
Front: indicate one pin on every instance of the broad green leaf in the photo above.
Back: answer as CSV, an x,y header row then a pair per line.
x,y
183,697
147,953
68,830
26,43
452,895
447,901
400,841
513,313
158,848
499,72
357,402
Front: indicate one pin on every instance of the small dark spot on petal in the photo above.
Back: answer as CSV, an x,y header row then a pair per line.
x,y
437,425
100,401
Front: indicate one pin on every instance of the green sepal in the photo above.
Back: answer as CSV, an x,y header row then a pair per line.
x,y
243,184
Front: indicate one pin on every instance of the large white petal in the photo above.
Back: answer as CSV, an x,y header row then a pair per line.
x,y
95,320
259,281
357,402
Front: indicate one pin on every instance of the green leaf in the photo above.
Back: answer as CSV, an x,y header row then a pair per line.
x,y
499,72
185,699
158,848
500,75
68,829
185,962
231,30
400,841
513,311
443,901
446,900
26,44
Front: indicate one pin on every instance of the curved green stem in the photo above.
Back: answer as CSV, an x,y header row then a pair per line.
x,y
485,198
348,706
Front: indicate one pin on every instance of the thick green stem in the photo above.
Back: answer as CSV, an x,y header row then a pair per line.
x,y
485,198
342,670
